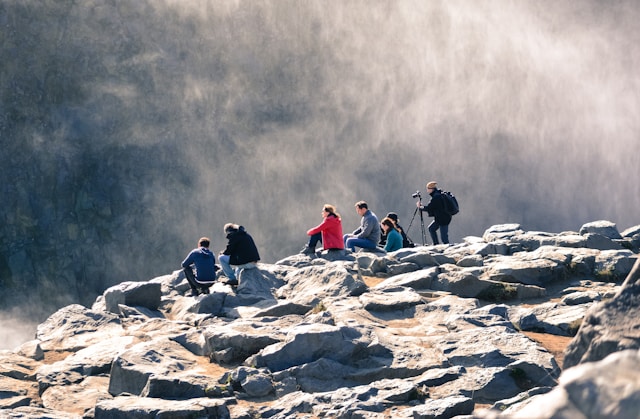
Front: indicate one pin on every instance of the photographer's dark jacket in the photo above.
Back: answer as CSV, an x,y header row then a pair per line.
x,y
241,248
436,208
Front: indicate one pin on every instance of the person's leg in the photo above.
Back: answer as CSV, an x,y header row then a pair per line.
x,y
433,228
314,240
226,267
444,233
191,279
354,242
311,245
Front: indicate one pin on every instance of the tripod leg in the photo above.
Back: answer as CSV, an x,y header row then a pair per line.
x,y
424,235
411,222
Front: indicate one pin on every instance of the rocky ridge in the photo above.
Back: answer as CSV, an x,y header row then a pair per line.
x,y
427,332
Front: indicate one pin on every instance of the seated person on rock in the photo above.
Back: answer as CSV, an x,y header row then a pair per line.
x,y
205,263
241,252
367,236
329,232
394,239
406,241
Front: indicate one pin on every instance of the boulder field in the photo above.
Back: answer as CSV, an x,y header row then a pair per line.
x,y
426,332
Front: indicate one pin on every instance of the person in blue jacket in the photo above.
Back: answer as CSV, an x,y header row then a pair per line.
x,y
394,238
205,263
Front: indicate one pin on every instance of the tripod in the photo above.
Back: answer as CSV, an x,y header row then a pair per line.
x,y
424,235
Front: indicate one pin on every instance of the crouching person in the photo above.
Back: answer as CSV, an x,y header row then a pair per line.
x,y
205,263
241,252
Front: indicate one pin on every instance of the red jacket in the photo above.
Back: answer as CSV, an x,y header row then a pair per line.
x,y
331,228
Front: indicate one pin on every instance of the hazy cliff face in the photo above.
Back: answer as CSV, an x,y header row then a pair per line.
x,y
131,129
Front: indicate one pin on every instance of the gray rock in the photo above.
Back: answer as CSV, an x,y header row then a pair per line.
x,y
446,407
132,369
308,286
501,231
609,326
237,341
592,390
602,227
31,349
144,294
77,398
146,407
93,360
390,299
257,385
74,327
307,343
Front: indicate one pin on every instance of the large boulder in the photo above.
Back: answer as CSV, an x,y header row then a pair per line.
x,y
609,326
145,294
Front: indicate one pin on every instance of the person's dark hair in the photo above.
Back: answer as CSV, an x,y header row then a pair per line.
x,y
362,204
393,216
388,222
331,210
204,242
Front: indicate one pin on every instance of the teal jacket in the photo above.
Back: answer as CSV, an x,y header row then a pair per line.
x,y
394,241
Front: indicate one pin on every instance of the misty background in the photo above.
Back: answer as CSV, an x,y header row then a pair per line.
x,y
131,128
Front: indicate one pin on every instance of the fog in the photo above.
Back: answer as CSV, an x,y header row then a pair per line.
x,y
136,127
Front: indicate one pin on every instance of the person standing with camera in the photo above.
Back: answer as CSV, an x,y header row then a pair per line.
x,y
437,209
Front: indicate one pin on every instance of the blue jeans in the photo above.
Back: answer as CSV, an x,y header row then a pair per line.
x,y
351,242
233,272
444,232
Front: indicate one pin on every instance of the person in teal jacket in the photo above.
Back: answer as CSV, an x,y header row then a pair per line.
x,y
394,238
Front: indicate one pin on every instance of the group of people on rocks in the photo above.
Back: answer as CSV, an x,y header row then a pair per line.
x,y
242,253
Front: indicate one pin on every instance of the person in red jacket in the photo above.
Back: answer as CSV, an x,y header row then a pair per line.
x,y
329,232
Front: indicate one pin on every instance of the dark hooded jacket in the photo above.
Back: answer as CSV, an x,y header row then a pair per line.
x,y
240,247
437,208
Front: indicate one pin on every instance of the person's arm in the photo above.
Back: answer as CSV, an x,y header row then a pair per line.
x,y
318,229
366,228
188,260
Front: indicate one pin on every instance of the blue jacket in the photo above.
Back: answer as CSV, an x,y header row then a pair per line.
x,y
394,240
205,263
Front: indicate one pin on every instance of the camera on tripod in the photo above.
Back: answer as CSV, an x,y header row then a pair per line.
x,y
416,195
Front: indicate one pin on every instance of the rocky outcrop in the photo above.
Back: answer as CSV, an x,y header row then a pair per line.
x,y
426,332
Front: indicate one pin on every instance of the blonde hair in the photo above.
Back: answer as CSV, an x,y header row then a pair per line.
x,y
432,184
331,210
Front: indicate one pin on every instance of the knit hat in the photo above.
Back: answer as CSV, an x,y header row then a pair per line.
x,y
432,184
393,216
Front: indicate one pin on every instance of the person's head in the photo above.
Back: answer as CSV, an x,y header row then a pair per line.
x,y
328,210
204,242
387,224
432,186
230,228
393,216
361,207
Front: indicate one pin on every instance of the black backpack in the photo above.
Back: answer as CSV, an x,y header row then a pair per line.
x,y
450,203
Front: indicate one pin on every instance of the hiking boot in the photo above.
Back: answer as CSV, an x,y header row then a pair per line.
x,y
195,293
204,290
307,250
